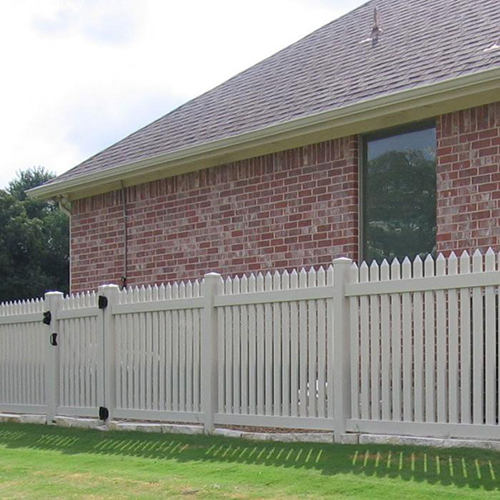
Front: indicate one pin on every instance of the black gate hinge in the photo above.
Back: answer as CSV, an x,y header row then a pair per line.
x,y
47,317
102,302
103,413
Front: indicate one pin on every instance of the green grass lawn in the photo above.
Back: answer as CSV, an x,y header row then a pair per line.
x,y
51,462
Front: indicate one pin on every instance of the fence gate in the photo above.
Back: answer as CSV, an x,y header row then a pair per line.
x,y
75,370
79,325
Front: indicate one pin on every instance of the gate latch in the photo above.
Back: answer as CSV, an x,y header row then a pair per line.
x,y
102,302
53,339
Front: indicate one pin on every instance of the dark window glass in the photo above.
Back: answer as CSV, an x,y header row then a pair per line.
x,y
400,194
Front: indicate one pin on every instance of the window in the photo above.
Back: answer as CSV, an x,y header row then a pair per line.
x,y
399,187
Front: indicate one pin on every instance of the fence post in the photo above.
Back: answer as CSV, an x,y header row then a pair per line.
x,y
108,345
341,348
209,346
53,302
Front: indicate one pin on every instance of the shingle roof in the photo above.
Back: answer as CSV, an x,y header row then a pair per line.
x,y
423,42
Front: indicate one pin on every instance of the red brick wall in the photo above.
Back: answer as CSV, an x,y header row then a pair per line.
x,y
285,210
97,236
468,179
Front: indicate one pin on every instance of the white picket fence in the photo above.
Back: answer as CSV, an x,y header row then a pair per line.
x,y
275,356
425,347
409,348
22,357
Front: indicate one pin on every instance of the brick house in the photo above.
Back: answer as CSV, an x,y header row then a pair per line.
x,y
376,136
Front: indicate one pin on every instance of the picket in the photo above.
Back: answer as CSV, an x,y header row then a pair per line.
x,y
407,363
260,360
236,354
490,344
303,330
322,347
465,344
355,348
268,347
477,344
286,370
418,339
396,344
430,346
386,345
277,339
330,322
252,340
244,350
453,345
375,345
365,347
441,363
312,331
294,350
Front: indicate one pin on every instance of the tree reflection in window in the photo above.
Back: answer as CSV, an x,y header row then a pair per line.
x,y
400,195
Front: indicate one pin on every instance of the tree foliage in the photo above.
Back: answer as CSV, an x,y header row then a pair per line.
x,y
400,206
34,240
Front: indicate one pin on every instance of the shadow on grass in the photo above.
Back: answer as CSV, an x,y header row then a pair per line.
x,y
461,467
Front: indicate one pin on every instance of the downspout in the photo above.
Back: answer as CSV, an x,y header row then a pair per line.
x,y
125,237
65,207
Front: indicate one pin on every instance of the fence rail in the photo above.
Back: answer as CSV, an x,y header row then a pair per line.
x,y
402,348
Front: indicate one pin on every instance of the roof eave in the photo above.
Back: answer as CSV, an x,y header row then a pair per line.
x,y
377,108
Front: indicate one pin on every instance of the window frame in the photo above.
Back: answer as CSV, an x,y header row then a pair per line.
x,y
363,165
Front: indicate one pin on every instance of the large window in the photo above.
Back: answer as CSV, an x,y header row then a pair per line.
x,y
399,202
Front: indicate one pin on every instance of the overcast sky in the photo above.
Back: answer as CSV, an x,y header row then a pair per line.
x,y
79,75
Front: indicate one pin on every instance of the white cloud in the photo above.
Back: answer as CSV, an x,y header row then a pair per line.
x,y
79,75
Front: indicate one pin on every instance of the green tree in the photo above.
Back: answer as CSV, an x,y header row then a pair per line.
x,y
400,207
34,240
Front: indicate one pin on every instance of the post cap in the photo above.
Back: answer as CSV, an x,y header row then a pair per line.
x,y
103,288
342,261
212,275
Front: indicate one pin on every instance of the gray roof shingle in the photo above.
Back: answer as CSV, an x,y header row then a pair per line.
x,y
423,42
